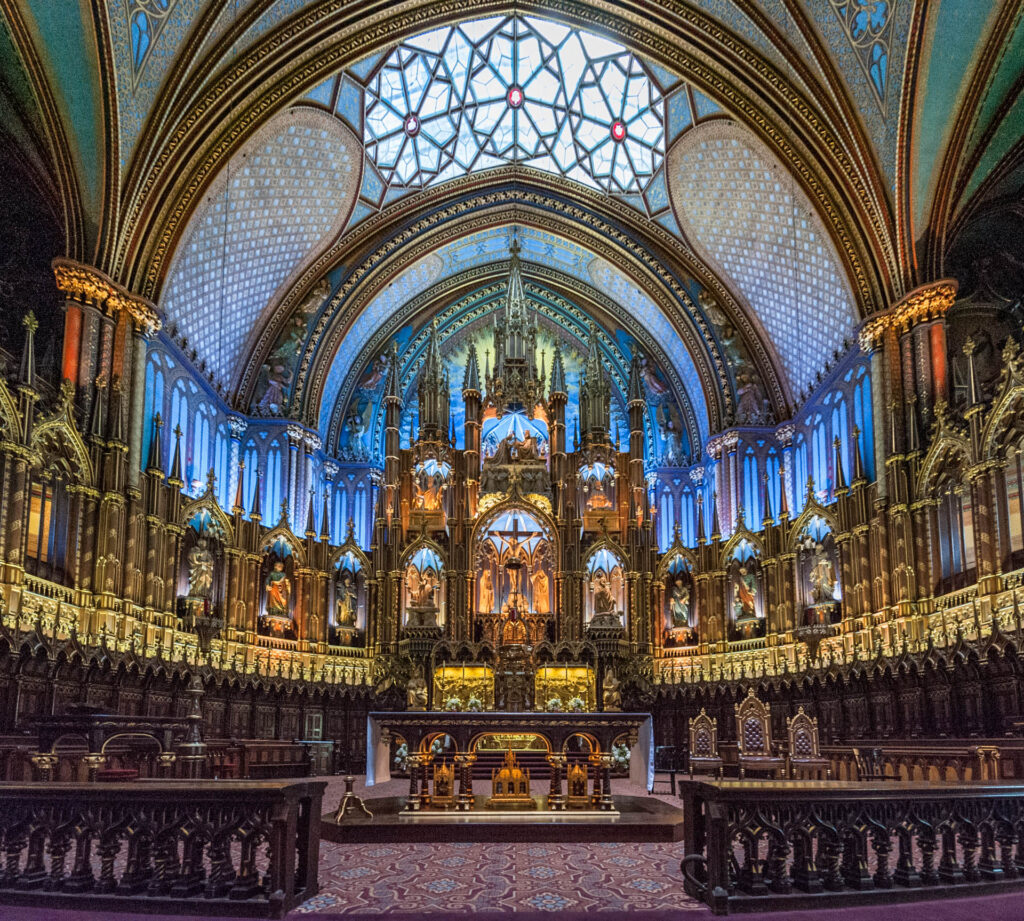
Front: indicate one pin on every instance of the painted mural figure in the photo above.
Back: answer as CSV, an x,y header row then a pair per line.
x,y
679,605
541,593
278,379
823,577
344,606
279,590
200,571
746,595
486,605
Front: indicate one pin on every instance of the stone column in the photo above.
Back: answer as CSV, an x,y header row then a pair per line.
x,y
137,405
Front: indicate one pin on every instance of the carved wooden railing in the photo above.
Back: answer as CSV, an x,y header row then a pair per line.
x,y
201,847
957,760
771,846
256,759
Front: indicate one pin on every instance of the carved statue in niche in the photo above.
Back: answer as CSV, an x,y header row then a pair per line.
x,y
528,449
612,691
422,603
745,598
822,576
416,691
679,603
279,590
200,570
345,601
421,587
486,602
597,495
429,492
604,600
541,592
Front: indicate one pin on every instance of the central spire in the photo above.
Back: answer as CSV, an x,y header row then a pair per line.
x,y
514,384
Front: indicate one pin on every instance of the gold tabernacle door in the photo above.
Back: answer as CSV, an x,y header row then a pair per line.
x,y
471,685
557,686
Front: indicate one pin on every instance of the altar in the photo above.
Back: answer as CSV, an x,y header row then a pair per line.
x,y
468,730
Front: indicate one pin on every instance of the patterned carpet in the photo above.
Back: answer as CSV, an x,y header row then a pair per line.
x,y
443,880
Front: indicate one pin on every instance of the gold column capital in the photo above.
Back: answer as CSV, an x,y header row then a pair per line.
x,y
88,285
923,304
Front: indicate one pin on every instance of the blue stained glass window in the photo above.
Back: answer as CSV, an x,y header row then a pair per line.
x,y
200,449
339,523
687,519
514,89
799,474
774,483
222,467
272,485
154,404
751,490
252,463
862,418
821,465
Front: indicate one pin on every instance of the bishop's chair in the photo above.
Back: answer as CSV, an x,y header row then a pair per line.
x,y
704,757
805,759
754,735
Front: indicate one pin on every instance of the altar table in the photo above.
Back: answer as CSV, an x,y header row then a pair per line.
x,y
465,728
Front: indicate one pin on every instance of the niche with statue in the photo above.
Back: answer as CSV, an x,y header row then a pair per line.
x,y
423,590
200,577
347,623
818,569
277,609
745,588
680,610
605,590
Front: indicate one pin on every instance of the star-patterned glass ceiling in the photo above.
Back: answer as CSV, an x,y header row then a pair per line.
x,y
514,89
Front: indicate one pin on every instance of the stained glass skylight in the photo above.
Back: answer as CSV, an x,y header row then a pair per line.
x,y
514,89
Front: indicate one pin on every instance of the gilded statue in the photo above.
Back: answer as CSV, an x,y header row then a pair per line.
x,y
429,492
486,604
823,577
612,693
200,570
345,602
279,590
541,592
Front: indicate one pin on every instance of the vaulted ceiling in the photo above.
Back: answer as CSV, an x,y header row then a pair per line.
x,y
743,180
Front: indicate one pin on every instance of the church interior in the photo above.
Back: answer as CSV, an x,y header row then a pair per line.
x,y
460,459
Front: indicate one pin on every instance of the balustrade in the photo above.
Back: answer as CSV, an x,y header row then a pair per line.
x,y
199,847
756,845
